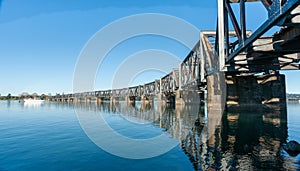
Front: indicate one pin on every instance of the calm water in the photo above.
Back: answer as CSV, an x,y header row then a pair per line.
x,y
49,137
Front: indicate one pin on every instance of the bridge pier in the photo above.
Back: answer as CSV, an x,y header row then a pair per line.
x,y
99,100
189,97
250,92
160,98
167,98
216,92
147,99
130,99
70,99
114,100
246,92
77,100
88,99
145,106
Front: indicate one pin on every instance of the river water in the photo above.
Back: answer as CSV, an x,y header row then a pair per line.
x,y
50,137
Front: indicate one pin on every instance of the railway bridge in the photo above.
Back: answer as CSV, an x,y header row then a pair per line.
x,y
235,67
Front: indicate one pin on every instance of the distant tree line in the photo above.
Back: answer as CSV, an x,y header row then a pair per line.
x,y
9,97
25,96
293,96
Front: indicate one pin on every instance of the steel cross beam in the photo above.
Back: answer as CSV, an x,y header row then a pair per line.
x,y
224,10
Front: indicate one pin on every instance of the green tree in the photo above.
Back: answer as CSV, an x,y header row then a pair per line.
x,y
8,96
43,96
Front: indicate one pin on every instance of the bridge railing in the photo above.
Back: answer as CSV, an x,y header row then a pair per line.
x,y
190,68
150,89
170,82
133,91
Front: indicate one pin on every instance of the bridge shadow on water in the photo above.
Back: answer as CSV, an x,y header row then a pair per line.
x,y
242,140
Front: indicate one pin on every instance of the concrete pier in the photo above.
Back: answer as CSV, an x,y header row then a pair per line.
x,y
250,92
166,98
99,100
88,100
189,97
147,100
130,99
114,100
70,100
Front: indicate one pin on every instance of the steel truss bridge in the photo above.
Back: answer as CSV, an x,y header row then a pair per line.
x,y
236,52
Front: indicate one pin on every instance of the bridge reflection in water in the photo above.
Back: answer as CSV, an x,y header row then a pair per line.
x,y
242,140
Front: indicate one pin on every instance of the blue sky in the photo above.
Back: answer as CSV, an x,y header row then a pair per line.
x,y
40,41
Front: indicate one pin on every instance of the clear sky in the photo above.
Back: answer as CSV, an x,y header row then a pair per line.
x,y
40,41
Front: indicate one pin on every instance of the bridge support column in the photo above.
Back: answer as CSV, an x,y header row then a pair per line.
x,y
216,91
263,92
114,100
147,100
146,106
88,100
70,99
160,98
99,100
130,99
167,98
216,99
186,97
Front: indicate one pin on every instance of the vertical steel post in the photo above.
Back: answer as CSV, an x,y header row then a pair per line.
x,y
179,75
221,34
226,29
197,63
174,80
201,57
160,85
139,91
243,21
217,38
156,86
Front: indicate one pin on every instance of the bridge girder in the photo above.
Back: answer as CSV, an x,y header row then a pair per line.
x,y
281,51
